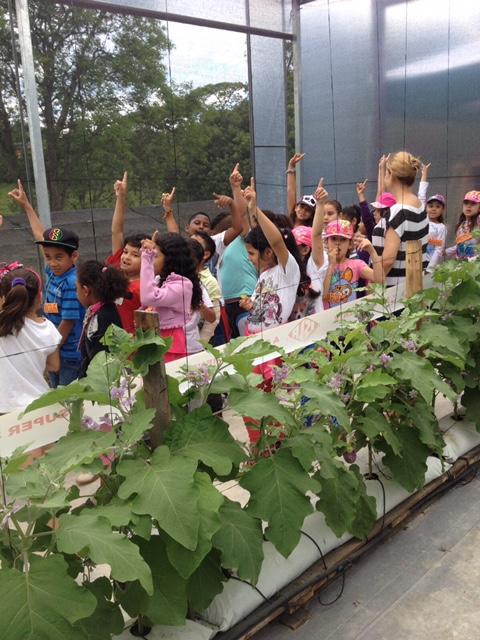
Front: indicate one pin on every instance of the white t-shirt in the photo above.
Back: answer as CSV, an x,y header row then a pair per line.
x,y
192,333
274,296
23,359
437,234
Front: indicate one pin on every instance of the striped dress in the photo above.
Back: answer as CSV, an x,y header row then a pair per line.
x,y
410,223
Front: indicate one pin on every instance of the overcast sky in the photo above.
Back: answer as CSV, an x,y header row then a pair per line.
x,y
204,56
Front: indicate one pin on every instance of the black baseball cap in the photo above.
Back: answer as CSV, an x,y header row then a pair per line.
x,y
58,237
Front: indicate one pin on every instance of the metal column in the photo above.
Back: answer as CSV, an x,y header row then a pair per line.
x,y
31,99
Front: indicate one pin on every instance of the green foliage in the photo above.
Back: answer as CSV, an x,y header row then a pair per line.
x,y
158,518
278,486
42,602
240,540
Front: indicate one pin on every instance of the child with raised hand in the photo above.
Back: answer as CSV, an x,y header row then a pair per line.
x,y
28,343
437,231
126,256
301,212
343,274
98,287
60,304
170,285
279,271
468,222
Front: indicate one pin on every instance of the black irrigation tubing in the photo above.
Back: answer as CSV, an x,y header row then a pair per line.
x,y
294,588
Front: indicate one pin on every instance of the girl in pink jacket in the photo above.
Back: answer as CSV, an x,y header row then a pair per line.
x,y
169,284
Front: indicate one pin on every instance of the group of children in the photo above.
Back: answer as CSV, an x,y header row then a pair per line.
x,y
246,271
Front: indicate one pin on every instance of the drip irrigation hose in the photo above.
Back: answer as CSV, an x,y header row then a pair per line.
x,y
290,591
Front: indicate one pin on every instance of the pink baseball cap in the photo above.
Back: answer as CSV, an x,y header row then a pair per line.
x,y
437,198
303,235
473,196
342,228
385,201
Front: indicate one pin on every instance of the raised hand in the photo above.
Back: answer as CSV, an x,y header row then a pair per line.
x,y
251,196
425,168
18,195
320,194
167,200
383,160
149,244
294,160
360,187
236,178
222,202
121,186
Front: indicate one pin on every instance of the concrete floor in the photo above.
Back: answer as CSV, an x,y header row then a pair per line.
x,y
421,584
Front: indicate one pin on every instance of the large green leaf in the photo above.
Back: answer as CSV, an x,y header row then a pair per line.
x,y
42,603
107,620
137,422
313,445
242,360
374,386
338,498
373,423
423,417
240,540
168,604
203,437
257,404
78,390
442,338
209,502
164,488
78,448
278,487
366,509
103,372
206,582
93,536
327,402
409,468
420,374
471,402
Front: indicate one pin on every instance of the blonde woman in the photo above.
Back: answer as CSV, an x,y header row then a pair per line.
x,y
408,218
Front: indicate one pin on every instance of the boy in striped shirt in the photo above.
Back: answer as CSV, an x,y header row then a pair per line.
x,y
60,303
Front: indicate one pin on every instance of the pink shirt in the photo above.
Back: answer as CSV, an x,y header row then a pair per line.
x,y
172,300
344,282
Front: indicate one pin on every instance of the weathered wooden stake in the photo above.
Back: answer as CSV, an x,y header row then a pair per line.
x,y
414,268
155,384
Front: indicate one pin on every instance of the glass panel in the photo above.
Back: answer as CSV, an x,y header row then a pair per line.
x,y
232,11
271,14
269,117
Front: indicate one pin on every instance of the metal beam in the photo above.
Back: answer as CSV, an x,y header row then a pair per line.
x,y
131,7
31,99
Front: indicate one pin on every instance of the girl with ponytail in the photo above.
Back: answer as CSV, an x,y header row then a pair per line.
x,y
28,343
98,287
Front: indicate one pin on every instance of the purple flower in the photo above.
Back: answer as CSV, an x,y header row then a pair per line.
x,y
345,397
336,382
370,368
280,374
118,393
90,423
385,359
410,345
198,377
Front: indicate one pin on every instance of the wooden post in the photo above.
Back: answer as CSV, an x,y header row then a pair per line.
x,y
414,268
155,383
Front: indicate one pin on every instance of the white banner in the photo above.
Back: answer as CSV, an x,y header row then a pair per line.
x,y
44,426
